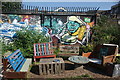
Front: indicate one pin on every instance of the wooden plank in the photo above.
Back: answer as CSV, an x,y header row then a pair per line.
x,y
26,65
34,52
34,49
55,68
45,48
40,69
52,69
40,49
60,69
37,51
49,48
48,72
45,56
13,75
14,53
63,67
18,69
44,69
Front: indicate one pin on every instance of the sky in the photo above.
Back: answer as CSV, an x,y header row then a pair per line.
x,y
70,0
103,4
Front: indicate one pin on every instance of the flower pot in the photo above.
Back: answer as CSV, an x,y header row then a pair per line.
x,y
86,54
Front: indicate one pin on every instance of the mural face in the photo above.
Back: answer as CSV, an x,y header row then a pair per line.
x,y
68,29
72,26
75,31
71,29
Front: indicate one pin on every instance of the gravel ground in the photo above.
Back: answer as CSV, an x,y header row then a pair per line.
x,y
71,72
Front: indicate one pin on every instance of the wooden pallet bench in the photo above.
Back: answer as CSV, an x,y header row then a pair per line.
x,y
68,50
43,50
16,66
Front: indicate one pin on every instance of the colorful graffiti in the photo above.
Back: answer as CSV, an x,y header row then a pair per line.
x,y
9,24
56,25
71,31
68,29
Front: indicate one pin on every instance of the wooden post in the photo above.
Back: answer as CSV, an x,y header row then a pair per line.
x,y
5,63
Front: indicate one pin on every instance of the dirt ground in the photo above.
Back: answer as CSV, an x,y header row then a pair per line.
x,y
71,72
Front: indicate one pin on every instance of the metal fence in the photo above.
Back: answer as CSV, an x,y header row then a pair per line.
x,y
20,8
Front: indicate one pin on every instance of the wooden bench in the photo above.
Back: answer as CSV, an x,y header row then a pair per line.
x,y
16,66
43,50
102,54
68,50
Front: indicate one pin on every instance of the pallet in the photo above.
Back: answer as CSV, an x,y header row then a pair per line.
x,y
43,50
47,66
68,50
15,65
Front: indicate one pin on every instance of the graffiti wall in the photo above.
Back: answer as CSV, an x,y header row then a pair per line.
x,y
10,23
68,29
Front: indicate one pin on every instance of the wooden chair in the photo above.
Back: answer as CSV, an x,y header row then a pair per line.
x,y
103,54
43,50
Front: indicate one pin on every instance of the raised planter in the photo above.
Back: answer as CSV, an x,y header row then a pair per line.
x,y
113,70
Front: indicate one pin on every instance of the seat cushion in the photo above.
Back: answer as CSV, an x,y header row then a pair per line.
x,y
26,65
94,60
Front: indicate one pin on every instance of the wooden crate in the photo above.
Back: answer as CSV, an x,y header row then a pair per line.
x,y
66,50
47,66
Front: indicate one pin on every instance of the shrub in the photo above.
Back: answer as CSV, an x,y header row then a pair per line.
x,y
106,31
25,40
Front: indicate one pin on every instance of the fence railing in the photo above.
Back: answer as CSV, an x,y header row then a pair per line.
x,y
20,8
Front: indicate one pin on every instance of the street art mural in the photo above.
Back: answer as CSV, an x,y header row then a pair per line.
x,y
68,29
10,23
75,30
56,25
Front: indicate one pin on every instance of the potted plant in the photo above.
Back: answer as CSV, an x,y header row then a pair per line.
x,y
86,50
